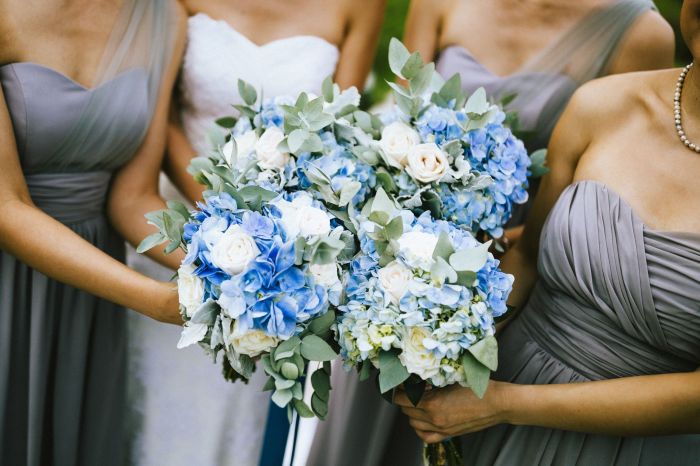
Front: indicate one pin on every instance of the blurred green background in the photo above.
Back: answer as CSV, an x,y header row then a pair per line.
x,y
395,16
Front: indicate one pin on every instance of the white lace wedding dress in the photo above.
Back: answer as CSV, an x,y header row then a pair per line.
x,y
183,412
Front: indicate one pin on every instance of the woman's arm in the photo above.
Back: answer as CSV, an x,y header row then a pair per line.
x,y
67,257
134,190
423,27
360,43
178,157
665,404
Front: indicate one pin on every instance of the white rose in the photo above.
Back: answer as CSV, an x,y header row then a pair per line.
x,y
325,275
417,248
415,357
245,144
398,139
251,342
190,289
395,278
427,163
268,155
313,221
234,250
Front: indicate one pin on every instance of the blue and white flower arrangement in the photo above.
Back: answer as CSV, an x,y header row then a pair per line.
x,y
288,145
446,153
422,299
261,279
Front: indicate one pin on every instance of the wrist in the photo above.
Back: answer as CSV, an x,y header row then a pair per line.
x,y
512,400
168,307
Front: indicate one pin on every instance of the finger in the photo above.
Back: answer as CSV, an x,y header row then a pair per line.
x,y
401,399
415,413
430,437
426,426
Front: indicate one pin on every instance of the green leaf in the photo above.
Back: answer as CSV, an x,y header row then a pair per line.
x,y
296,139
247,92
391,372
443,248
314,348
365,370
321,325
327,89
466,278
452,88
290,370
226,122
282,383
321,382
252,193
327,250
319,406
179,207
382,203
538,160
398,56
288,345
441,272
150,242
348,192
302,409
394,229
420,83
413,66
269,385
470,259
282,397
477,374
486,352
477,103
385,180
312,144
400,90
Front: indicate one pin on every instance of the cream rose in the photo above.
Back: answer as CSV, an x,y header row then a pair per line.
x,y
268,155
415,357
251,342
427,163
325,275
300,217
190,289
417,248
234,250
397,141
394,278
313,221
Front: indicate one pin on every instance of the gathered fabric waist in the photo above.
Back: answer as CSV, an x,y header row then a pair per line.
x,y
590,342
70,197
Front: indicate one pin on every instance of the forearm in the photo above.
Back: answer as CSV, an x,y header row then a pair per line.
x,y
127,217
632,406
68,258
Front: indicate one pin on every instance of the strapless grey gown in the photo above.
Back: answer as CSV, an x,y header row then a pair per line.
x,y
62,351
614,299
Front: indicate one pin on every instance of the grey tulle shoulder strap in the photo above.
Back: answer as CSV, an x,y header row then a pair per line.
x,y
142,39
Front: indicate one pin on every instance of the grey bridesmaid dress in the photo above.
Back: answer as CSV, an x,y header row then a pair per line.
x,y
361,428
62,350
614,298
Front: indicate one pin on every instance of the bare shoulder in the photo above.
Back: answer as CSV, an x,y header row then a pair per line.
x,y
370,11
648,44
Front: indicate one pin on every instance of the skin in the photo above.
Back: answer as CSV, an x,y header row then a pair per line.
x,y
353,30
69,36
618,131
504,35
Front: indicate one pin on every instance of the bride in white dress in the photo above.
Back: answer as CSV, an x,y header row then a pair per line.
x,y
282,48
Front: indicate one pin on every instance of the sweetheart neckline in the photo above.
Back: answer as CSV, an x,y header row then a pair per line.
x,y
599,184
68,78
267,44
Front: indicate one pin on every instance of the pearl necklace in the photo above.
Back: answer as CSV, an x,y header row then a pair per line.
x,y
677,110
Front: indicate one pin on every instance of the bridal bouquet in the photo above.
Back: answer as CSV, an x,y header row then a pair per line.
x,y
260,280
422,297
448,154
289,145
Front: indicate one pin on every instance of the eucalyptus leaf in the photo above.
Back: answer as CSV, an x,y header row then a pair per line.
x,y
477,104
452,88
443,248
250,193
296,139
320,326
398,56
391,372
150,242
282,397
226,122
413,66
302,409
247,92
477,374
419,84
538,160
394,229
290,370
321,383
348,192
365,370
486,352
314,348
441,272
385,180
283,383
470,259
327,89
319,406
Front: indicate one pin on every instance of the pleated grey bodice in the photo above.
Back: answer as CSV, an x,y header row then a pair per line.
x,y
67,161
615,298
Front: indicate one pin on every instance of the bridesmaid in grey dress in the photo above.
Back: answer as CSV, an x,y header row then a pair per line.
x,y
62,286
601,366
539,52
